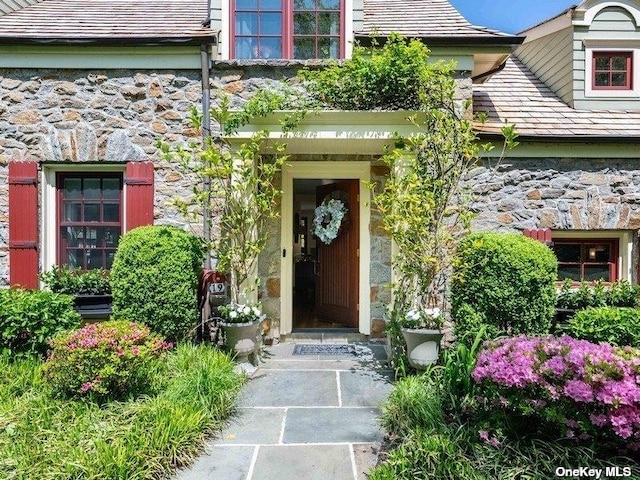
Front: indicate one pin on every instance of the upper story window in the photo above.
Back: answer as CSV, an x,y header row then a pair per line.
x,y
300,29
612,71
89,219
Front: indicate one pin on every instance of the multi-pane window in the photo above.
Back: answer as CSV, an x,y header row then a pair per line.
x,y
89,219
587,260
300,29
612,71
316,29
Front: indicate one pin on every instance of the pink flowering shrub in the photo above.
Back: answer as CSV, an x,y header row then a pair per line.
x,y
104,360
581,388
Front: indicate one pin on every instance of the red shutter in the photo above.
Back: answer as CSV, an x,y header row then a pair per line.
x,y
23,224
543,235
138,194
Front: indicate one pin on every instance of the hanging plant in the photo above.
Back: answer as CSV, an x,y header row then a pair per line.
x,y
328,219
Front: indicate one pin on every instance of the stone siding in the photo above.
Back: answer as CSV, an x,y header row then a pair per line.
x,y
557,193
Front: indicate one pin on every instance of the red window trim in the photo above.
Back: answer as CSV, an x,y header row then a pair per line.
x,y
629,70
61,258
287,30
613,258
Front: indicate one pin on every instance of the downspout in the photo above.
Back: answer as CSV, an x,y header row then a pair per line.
x,y
205,61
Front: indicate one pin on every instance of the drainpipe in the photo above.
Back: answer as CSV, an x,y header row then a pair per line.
x,y
205,61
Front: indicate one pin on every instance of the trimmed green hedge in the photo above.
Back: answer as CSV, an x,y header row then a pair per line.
x,y
505,282
30,318
614,325
154,279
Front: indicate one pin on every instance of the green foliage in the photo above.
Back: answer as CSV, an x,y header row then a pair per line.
x,y
30,318
110,360
60,279
506,281
595,294
395,76
240,188
614,325
458,362
429,441
155,279
48,438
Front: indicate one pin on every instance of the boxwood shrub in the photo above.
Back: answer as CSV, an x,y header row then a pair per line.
x,y
30,318
503,281
154,279
614,325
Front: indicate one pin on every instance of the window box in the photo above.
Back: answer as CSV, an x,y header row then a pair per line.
x,y
93,307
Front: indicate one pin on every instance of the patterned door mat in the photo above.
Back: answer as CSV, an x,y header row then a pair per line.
x,y
324,349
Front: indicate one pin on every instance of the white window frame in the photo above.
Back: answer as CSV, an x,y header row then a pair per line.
x,y
48,227
613,46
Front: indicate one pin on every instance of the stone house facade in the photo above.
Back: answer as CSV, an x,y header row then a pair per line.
x,y
84,97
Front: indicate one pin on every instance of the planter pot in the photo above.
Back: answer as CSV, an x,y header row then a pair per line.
x,y
243,340
423,346
93,307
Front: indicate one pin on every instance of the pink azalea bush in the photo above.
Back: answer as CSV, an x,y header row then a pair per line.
x,y
585,389
104,360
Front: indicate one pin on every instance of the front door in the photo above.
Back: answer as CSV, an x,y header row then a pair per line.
x,y
338,266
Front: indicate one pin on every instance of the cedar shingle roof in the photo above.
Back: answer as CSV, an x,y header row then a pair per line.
x,y
420,18
98,20
517,96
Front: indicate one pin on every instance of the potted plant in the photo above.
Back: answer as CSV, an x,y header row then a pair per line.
x,y
240,323
239,184
422,332
91,289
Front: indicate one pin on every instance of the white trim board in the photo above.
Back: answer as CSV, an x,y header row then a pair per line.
x,y
326,169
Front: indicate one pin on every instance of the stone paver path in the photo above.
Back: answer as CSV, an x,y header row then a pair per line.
x,y
306,418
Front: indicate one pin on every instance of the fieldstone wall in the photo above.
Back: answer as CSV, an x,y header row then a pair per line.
x,y
380,270
96,116
557,193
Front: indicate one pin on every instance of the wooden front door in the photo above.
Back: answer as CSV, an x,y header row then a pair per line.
x,y
338,265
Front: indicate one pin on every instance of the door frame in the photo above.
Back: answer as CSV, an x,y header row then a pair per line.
x,y
360,170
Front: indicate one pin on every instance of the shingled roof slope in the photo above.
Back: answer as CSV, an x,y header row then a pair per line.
x,y
420,18
7,6
77,20
517,96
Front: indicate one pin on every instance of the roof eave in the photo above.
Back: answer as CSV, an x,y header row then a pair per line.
x,y
563,138
449,41
210,39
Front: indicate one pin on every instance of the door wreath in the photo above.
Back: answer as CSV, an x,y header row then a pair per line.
x,y
328,219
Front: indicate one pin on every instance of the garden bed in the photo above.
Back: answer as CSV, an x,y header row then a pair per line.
x,y
148,437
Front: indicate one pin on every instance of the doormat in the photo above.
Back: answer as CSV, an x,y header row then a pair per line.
x,y
324,349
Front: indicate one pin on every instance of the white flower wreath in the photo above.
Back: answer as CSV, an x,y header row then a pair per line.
x,y
327,220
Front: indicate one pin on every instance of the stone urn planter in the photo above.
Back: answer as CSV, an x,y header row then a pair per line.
x,y
243,340
423,346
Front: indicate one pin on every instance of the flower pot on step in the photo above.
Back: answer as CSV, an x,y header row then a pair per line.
x,y
243,340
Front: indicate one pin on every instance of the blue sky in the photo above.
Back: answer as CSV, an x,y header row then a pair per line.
x,y
510,16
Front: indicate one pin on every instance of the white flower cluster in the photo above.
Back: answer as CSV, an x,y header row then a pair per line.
x,y
327,220
239,313
427,318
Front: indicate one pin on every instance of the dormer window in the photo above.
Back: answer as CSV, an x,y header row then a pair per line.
x,y
612,70
300,29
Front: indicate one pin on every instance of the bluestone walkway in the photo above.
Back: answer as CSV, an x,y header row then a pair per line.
x,y
306,418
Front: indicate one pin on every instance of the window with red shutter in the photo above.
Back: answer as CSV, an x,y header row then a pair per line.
x,y
23,224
